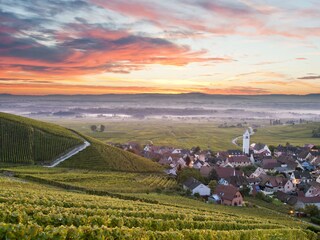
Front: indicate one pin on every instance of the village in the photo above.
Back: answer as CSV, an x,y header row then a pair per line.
x,y
288,173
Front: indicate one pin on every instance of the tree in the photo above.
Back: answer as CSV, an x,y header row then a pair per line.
x,y
272,148
213,175
245,191
316,133
312,210
197,195
188,161
186,173
93,128
247,170
102,128
196,150
212,185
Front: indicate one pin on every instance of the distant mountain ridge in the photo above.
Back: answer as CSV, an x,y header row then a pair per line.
x,y
160,94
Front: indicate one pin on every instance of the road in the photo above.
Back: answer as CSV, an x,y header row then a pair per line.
x,y
69,154
235,140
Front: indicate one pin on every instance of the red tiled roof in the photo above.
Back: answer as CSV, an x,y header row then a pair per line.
x,y
226,192
309,199
227,172
205,170
238,159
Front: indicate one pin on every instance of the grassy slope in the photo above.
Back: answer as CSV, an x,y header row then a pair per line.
x,y
25,140
100,156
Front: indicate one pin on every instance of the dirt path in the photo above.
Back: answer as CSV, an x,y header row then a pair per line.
x,y
69,154
235,140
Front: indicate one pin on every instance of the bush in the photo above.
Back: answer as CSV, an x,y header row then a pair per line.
x,y
315,220
186,173
311,210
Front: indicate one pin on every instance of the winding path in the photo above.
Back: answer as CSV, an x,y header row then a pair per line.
x,y
235,140
69,154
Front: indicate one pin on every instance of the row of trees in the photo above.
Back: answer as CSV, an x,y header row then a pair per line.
x,y
316,132
99,128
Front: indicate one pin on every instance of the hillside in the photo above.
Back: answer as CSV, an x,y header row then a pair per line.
x,y
101,156
33,211
27,141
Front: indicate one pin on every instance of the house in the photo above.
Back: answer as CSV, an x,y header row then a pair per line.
x,y
206,170
285,168
289,186
197,164
304,201
307,166
260,148
239,161
238,181
229,195
312,189
254,181
269,164
235,153
214,198
318,179
257,172
271,184
300,177
254,189
196,186
286,198
315,161
227,172
304,155
311,147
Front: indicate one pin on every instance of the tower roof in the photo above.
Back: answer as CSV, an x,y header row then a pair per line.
x,y
246,133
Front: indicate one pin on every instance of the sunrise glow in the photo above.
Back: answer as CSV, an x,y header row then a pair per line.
x,y
116,46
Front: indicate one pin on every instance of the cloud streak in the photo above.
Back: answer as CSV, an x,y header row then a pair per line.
x,y
61,42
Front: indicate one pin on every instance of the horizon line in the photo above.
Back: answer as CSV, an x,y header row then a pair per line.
x,y
187,93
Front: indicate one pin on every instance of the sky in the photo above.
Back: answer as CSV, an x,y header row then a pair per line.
x,y
119,46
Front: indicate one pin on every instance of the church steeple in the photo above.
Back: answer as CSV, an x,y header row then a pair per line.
x,y
246,142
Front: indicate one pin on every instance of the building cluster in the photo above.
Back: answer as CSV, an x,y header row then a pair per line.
x,y
289,173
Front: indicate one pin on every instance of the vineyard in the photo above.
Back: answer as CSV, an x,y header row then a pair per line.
x,y
100,156
115,182
32,211
26,141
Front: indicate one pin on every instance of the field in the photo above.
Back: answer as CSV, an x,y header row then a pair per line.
x,y
182,134
295,135
33,211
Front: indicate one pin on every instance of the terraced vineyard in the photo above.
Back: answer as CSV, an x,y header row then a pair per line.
x,y
32,211
26,141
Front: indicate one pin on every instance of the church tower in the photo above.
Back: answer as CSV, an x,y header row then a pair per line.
x,y
246,142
